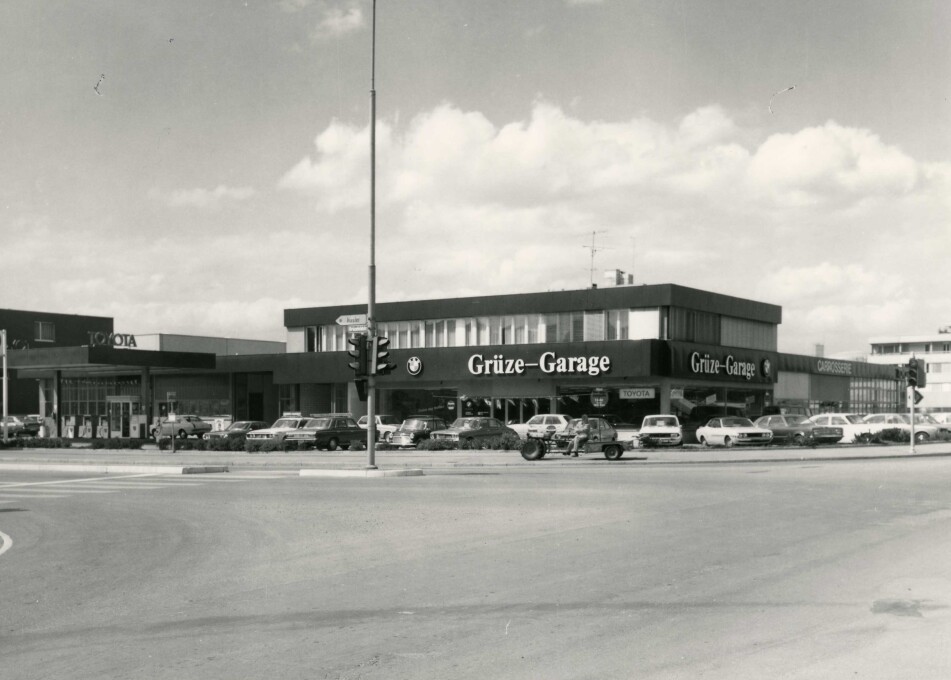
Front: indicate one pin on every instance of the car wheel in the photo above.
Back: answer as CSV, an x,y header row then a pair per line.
x,y
728,441
799,438
182,434
533,449
387,437
703,441
921,437
332,444
613,452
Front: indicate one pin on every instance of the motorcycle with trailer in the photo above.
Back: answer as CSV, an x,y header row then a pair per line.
x,y
602,439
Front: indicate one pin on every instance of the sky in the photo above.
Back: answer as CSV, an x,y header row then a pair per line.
x,y
198,167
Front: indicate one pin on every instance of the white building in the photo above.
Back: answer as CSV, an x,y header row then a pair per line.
x,y
935,350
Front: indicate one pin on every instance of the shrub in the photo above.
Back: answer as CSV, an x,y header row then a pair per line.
x,y
43,443
116,443
263,445
357,445
436,445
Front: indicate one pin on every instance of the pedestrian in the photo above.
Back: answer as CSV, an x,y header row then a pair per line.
x,y
582,431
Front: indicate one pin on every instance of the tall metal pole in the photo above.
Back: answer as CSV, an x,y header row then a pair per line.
x,y
3,349
371,304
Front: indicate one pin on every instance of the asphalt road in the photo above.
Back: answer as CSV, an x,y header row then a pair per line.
x,y
818,569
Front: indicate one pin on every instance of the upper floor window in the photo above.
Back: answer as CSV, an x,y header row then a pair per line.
x,y
44,331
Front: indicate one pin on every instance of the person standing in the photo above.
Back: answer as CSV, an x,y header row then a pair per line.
x,y
582,432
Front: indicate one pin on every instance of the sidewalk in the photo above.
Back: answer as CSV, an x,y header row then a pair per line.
x,y
387,459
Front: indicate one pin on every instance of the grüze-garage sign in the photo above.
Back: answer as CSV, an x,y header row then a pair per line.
x,y
548,362
719,363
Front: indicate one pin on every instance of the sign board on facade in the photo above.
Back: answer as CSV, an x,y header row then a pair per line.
x,y
599,398
100,339
548,362
676,393
352,320
636,393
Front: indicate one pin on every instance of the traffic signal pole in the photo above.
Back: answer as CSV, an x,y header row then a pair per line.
x,y
371,304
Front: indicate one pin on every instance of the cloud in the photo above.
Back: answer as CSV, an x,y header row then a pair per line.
x,y
207,198
578,3
339,20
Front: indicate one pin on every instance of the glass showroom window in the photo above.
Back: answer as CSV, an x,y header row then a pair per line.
x,y
311,339
617,324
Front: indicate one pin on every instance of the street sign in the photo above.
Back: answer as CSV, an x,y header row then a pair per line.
x,y
352,320
913,393
362,328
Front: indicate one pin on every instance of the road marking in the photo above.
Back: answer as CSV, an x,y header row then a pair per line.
x,y
7,542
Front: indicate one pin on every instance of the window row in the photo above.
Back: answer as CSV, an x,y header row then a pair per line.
x,y
518,329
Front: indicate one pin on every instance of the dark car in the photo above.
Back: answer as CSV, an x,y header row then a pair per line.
x,y
415,429
473,428
798,429
328,432
236,429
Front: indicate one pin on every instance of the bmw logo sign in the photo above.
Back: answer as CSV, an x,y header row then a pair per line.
x,y
767,367
414,366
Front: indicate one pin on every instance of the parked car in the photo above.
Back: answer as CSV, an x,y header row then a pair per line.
x,y
732,431
14,426
237,428
473,428
415,429
797,429
182,426
660,430
852,424
925,427
546,425
279,429
521,429
328,432
385,425
32,424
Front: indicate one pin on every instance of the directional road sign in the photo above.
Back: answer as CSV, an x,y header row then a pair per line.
x,y
352,320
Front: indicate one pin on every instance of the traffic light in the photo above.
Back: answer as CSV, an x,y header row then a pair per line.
x,y
917,372
358,355
912,372
380,356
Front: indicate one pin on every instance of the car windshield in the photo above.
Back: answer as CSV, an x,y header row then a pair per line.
x,y
389,420
239,425
413,424
318,423
921,418
853,418
795,420
286,422
737,422
466,423
660,422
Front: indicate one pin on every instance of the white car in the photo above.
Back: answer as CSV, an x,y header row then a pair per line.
x,y
852,424
385,426
925,427
660,430
733,431
544,426
279,429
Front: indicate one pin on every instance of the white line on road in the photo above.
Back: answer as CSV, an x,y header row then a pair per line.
x,y
7,542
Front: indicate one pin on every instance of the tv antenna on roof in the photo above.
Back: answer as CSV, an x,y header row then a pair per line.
x,y
594,249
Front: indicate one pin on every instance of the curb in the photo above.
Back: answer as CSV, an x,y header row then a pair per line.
x,y
408,472
116,469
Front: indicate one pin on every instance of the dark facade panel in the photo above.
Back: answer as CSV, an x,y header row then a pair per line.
x,y
627,359
799,363
69,358
70,329
621,297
